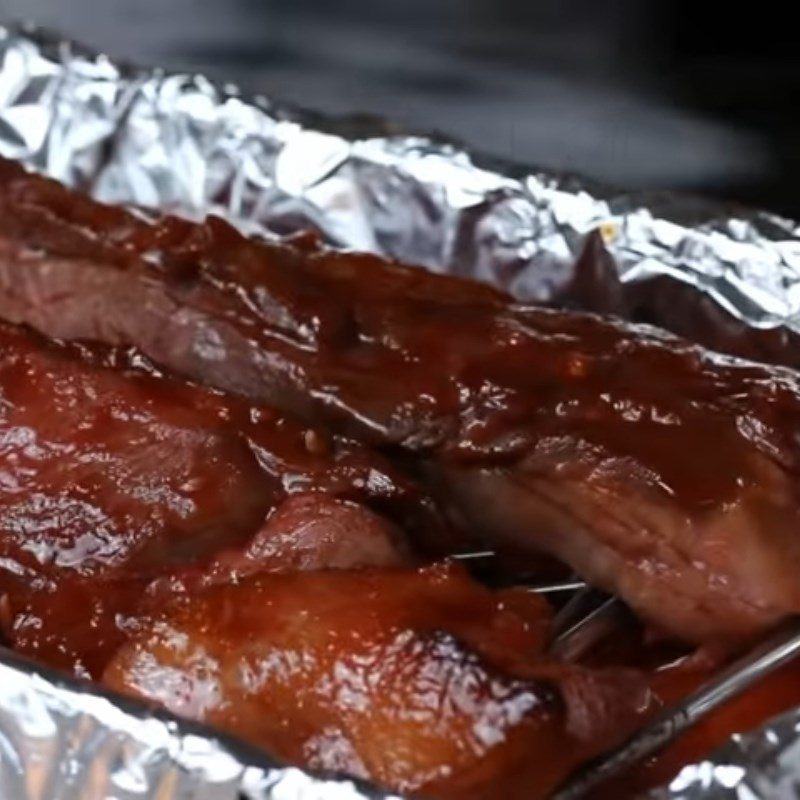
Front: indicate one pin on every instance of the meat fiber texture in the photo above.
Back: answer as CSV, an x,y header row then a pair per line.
x,y
145,523
422,681
657,470
113,477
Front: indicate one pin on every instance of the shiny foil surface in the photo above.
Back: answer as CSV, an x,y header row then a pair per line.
x,y
183,144
60,740
764,763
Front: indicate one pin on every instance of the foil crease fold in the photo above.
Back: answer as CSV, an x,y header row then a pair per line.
x,y
184,144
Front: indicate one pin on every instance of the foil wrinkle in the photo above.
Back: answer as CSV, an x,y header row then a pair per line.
x,y
181,143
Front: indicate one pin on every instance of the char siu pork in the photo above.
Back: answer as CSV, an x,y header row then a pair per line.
x,y
657,470
113,476
421,681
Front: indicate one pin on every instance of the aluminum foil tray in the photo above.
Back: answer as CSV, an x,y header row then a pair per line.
x,y
764,763
179,142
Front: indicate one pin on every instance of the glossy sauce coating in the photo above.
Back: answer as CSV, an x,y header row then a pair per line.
x,y
99,470
447,370
399,354
654,469
112,475
420,681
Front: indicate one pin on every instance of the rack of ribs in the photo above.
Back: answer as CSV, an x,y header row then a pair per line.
x,y
658,471
206,553
113,476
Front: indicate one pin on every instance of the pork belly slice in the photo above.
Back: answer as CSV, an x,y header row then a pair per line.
x,y
76,622
716,578
421,681
659,471
113,476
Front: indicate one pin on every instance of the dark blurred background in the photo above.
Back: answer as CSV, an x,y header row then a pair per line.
x,y
698,96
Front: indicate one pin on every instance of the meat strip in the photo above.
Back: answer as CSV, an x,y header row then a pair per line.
x,y
657,470
113,475
421,681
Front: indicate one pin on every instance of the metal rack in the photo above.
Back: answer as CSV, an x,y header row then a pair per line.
x,y
588,616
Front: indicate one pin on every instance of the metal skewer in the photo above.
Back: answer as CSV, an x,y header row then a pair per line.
x,y
590,615
578,637
475,555
734,679
556,587
583,602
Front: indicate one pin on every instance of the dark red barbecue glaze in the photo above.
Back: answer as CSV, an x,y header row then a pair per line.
x,y
422,681
656,470
112,475
144,521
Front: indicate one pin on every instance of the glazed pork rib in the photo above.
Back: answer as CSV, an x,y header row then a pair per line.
x,y
658,471
113,476
144,524
419,680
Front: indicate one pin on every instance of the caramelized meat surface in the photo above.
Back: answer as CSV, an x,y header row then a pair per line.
x,y
656,470
421,681
112,476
